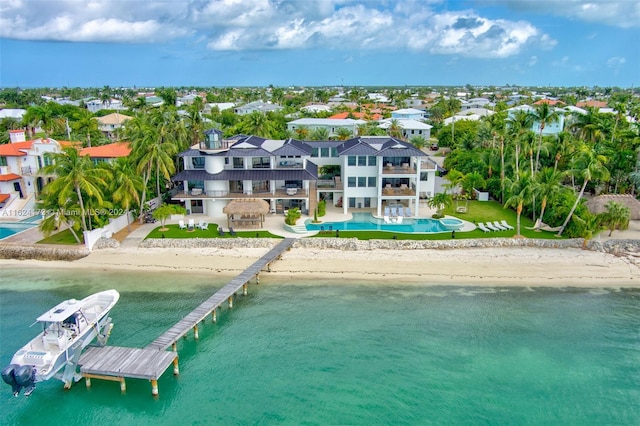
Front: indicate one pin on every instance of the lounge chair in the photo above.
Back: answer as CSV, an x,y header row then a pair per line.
x,y
386,219
499,226
394,211
490,226
400,211
386,211
199,225
506,225
192,224
204,226
221,232
399,219
181,224
482,227
232,232
407,212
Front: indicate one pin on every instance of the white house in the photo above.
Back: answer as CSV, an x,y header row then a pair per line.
x,y
408,113
331,124
20,162
410,127
256,106
549,129
109,123
375,172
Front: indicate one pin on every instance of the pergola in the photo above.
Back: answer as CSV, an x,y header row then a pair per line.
x,y
246,213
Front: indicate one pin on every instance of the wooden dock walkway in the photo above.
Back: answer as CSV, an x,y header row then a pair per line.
x,y
117,363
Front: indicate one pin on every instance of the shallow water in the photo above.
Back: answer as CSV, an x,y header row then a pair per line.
x,y
356,353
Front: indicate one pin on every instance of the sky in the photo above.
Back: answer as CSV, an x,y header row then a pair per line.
x,y
148,43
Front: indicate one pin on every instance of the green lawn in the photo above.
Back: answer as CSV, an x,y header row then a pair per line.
x,y
63,237
174,231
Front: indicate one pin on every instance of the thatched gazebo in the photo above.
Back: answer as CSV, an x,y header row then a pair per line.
x,y
598,204
246,213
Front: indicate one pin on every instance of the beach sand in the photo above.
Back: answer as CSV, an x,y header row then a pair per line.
x,y
513,266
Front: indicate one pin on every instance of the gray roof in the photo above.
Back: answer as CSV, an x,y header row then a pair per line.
x,y
379,146
308,173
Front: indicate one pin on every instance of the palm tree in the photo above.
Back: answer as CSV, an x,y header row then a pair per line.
x,y
472,180
521,191
320,134
303,132
56,215
440,201
544,115
76,175
126,184
418,142
84,123
257,124
588,127
343,134
518,125
548,184
617,216
194,120
590,166
395,129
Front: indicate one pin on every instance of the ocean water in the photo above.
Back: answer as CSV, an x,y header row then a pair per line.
x,y
344,353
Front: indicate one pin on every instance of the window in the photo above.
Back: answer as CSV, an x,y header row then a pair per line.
x,y
351,160
352,202
47,159
424,176
372,160
362,161
367,202
334,152
351,182
197,162
314,152
371,181
362,181
3,161
238,163
260,163
324,152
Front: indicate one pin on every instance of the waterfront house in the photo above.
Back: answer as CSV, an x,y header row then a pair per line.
x,y
107,153
374,172
109,123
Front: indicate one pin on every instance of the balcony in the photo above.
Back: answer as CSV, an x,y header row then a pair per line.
x,y
278,193
401,191
402,169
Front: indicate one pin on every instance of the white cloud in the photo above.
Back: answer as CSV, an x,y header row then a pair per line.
x,y
616,62
237,25
618,13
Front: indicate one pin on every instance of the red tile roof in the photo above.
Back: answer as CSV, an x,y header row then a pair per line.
x,y
358,115
9,177
112,150
4,197
594,104
548,101
14,149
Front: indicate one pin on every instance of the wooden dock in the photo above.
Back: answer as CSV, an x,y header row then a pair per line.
x,y
118,363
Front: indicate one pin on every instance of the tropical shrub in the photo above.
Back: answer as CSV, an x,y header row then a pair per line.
x,y
292,216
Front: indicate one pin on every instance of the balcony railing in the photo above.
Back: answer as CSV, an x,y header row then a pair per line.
x,y
403,190
278,193
402,169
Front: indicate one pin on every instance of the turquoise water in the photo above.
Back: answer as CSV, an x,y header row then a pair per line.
x,y
8,229
345,353
366,222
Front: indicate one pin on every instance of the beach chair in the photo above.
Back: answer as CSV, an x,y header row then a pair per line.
x,y
506,225
490,226
204,225
399,219
386,211
394,212
400,211
221,232
499,226
386,219
232,232
407,212
192,224
482,227
181,224
199,225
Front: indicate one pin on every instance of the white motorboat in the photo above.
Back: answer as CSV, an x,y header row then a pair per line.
x,y
66,330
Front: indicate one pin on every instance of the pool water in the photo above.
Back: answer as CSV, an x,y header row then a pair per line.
x,y
366,222
8,229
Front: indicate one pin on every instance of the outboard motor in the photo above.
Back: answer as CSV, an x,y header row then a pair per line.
x,y
25,376
8,375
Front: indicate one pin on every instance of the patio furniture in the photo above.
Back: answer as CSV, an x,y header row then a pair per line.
x,y
199,225
232,232
292,191
204,226
181,224
490,226
394,211
506,225
386,219
192,224
196,191
221,232
407,212
483,228
499,226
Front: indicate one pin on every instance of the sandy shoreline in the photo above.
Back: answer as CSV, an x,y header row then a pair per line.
x,y
512,266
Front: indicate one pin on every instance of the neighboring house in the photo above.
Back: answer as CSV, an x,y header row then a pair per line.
x,y
257,106
96,105
220,105
472,114
591,104
375,171
332,125
20,162
357,116
188,99
475,103
548,101
315,108
410,127
107,153
549,128
109,123
408,113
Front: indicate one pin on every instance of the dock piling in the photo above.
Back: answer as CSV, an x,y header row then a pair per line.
x,y
214,317
154,387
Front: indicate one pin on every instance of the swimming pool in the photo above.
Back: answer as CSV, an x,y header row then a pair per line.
x,y
366,222
8,229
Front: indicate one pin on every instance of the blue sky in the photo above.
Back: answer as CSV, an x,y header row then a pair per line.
x,y
145,43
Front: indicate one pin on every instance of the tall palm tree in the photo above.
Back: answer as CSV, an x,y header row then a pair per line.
x,y
548,184
320,134
440,201
588,127
589,166
342,134
543,114
257,124
126,184
521,191
194,120
76,175
303,132
84,123
518,125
